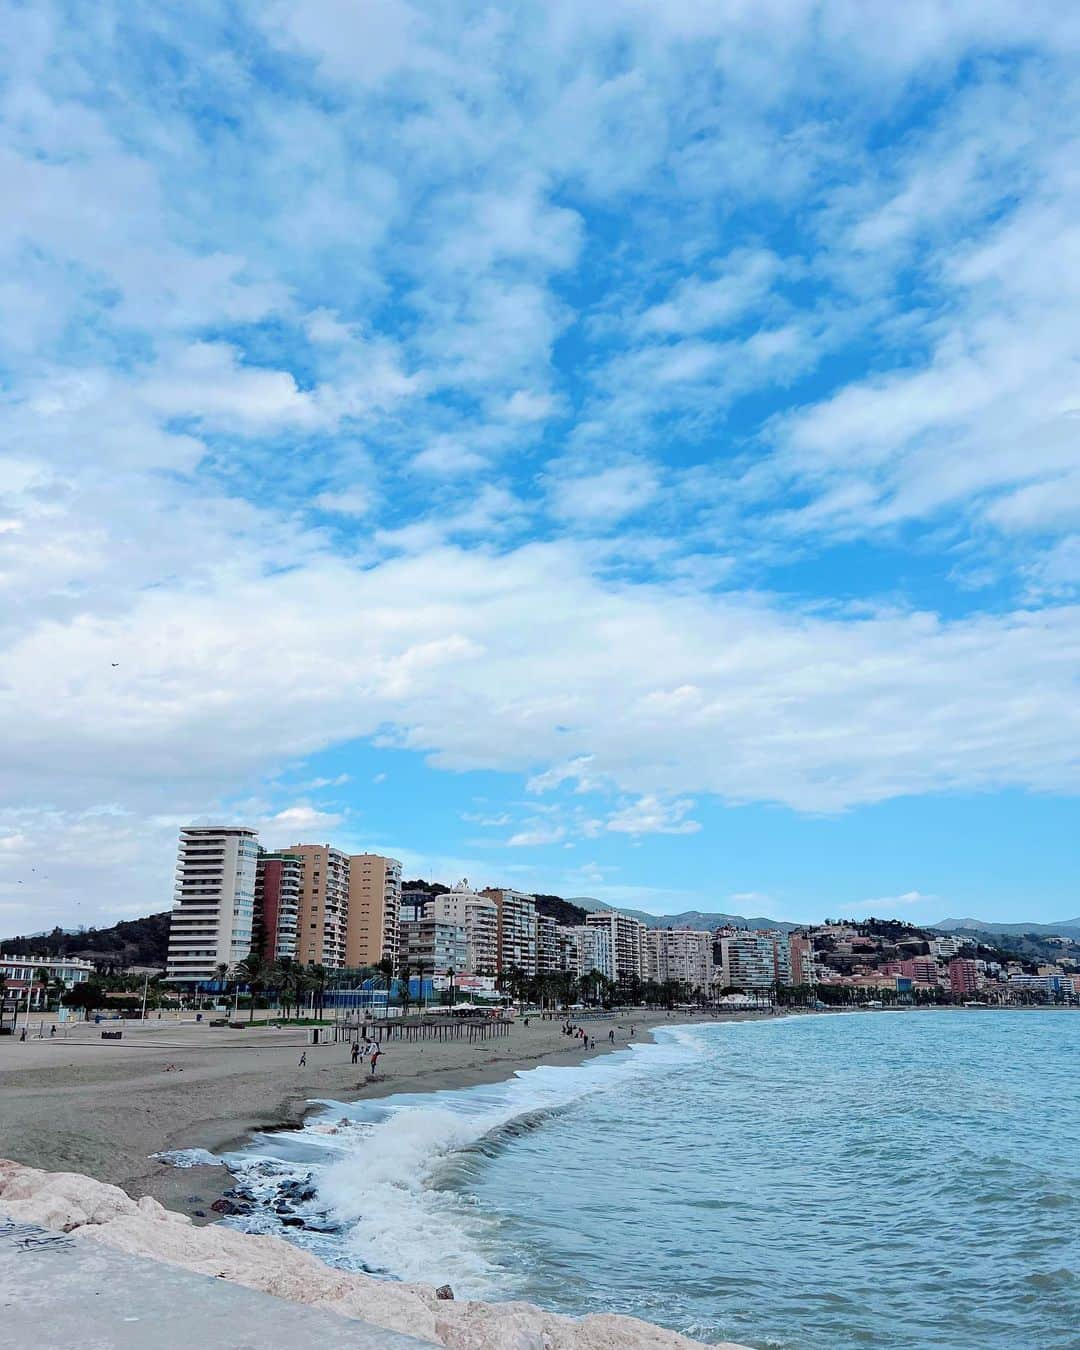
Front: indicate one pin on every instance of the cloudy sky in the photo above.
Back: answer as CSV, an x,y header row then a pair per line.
x,y
623,449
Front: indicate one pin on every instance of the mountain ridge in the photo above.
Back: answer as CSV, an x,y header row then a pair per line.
x,y
1066,928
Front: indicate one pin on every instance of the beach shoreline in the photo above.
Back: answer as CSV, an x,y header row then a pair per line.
x,y
104,1108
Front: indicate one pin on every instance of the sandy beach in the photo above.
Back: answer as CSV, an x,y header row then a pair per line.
x,y
103,1108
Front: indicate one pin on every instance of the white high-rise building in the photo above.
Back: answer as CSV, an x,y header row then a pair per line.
x,y
213,901
628,952
680,954
548,954
588,948
756,960
478,916
517,930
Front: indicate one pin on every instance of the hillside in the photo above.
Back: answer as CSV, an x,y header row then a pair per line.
x,y
562,911
132,942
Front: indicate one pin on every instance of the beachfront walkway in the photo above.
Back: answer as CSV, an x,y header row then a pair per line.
x,y
59,1292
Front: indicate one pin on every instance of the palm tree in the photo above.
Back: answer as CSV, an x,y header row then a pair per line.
x,y
279,980
318,976
386,967
252,970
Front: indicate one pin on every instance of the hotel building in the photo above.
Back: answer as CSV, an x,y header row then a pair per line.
x,y
213,901
374,885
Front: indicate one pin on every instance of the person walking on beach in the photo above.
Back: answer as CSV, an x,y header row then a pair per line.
x,y
374,1059
611,1035
302,1060
355,1051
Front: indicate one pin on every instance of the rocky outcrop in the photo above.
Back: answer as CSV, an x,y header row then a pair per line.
x,y
96,1212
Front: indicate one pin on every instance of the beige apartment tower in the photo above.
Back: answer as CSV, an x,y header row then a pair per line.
x,y
324,905
374,902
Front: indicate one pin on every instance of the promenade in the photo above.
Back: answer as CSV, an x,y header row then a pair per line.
x,y
60,1292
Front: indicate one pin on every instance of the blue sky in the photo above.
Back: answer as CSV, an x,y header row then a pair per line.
x,y
624,450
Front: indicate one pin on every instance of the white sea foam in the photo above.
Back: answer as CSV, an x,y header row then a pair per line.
x,y
384,1170
188,1157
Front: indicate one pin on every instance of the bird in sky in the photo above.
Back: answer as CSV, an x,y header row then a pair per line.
x,y
115,664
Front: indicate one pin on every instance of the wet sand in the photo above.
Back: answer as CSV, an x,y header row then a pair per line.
x,y
78,1103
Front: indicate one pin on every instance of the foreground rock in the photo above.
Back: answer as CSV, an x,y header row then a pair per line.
x,y
94,1211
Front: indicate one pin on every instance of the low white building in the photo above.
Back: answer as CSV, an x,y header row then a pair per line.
x,y
21,973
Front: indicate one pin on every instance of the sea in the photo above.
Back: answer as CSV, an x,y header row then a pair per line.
x,y
885,1179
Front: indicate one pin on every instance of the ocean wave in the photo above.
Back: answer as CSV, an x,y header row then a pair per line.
x,y
389,1175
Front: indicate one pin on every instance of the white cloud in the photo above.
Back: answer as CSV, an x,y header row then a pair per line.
x,y
537,834
650,815
740,281
605,496
884,903
354,501
339,781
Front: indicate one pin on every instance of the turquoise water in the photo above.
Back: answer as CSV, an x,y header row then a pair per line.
x,y
887,1180
879,1180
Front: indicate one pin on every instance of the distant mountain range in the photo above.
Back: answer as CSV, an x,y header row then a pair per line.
x,y
695,918
1069,928
689,918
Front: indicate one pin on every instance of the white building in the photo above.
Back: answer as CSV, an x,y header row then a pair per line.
x,y
548,949
756,960
478,915
213,901
517,930
680,954
627,935
586,948
950,946
20,974
432,947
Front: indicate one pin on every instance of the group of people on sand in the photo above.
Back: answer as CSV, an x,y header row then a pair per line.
x,y
370,1051
589,1042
